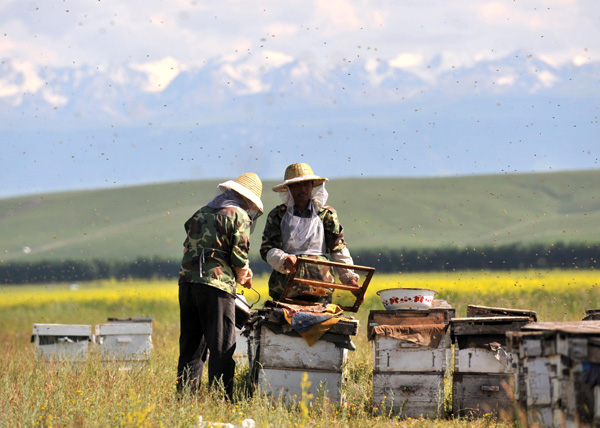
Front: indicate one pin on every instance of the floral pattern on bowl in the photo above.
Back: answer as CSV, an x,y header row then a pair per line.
x,y
394,299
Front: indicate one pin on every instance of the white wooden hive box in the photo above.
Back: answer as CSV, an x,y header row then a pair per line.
x,y
284,351
62,342
394,355
124,341
409,395
287,384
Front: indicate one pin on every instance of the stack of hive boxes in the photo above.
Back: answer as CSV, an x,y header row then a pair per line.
x,y
411,351
483,380
279,357
558,372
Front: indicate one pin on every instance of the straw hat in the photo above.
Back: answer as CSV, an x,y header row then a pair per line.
x,y
249,186
297,172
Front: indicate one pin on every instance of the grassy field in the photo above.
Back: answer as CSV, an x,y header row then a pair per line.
x,y
146,221
38,393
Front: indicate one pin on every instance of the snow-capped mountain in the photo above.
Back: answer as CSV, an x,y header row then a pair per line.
x,y
86,96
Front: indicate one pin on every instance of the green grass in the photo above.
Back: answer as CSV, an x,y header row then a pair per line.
x,y
91,394
144,221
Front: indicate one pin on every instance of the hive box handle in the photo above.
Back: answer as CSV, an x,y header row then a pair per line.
x,y
490,388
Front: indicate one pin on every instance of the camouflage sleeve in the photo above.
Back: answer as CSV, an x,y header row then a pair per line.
x,y
272,234
334,232
240,241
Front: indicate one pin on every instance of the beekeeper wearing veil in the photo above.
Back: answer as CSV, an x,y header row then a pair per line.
x,y
303,225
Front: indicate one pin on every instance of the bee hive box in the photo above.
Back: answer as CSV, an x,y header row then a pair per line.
x,y
62,342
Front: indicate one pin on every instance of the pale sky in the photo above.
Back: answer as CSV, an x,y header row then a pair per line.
x,y
161,38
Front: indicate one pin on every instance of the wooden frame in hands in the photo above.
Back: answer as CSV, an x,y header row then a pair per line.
x,y
359,292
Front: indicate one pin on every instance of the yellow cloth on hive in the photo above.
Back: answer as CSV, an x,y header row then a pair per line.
x,y
315,324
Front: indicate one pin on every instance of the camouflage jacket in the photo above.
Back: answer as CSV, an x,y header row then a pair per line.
x,y
217,240
334,241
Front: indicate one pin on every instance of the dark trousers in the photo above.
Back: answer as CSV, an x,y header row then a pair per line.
x,y
207,322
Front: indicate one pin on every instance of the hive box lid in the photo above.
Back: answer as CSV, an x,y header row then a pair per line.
x,y
487,325
130,319
123,328
62,330
489,311
568,327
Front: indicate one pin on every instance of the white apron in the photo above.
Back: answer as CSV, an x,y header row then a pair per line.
x,y
304,235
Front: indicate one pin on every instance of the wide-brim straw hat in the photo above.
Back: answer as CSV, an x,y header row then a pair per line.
x,y
249,186
296,173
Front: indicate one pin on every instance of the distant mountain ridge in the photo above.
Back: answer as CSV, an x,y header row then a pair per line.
x,y
85,96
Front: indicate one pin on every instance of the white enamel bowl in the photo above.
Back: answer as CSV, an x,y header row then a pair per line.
x,y
394,299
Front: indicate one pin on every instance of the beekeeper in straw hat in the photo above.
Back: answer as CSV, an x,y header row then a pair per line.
x,y
303,225
215,260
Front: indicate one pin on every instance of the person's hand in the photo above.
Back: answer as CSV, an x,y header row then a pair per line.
x,y
290,263
244,277
357,293
354,283
248,283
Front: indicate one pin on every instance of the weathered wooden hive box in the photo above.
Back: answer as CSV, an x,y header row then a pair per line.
x,y
62,342
128,340
558,372
483,380
279,357
411,351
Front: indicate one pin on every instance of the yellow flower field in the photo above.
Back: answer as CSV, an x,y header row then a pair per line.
x,y
497,283
556,295
493,282
108,292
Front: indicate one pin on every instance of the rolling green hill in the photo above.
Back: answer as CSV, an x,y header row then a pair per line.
x,y
475,211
